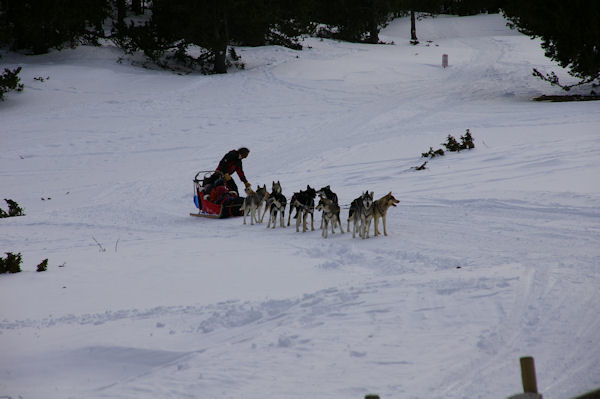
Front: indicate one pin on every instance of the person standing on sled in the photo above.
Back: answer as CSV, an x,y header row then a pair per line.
x,y
231,162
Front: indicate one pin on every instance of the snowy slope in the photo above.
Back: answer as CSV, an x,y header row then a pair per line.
x,y
492,254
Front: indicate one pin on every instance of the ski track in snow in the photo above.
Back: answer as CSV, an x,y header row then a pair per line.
x,y
492,254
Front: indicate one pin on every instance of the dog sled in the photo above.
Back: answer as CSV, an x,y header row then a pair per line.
x,y
213,200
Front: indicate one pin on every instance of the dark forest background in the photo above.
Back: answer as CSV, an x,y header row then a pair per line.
x,y
165,30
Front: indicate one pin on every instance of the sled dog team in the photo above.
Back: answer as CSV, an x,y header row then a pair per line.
x,y
363,210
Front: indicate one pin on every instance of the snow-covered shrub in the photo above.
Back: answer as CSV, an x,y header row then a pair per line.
x,y
42,267
10,264
13,209
9,80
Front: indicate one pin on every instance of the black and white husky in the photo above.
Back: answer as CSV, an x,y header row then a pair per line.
x,y
253,202
276,203
331,214
304,204
326,193
361,214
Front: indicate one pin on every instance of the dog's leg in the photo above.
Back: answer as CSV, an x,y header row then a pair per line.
x,y
340,223
275,216
262,218
384,224
290,215
298,221
367,225
282,218
349,218
304,220
245,210
362,226
376,223
312,221
256,213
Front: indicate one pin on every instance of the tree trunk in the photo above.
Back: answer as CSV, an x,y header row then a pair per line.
x,y
373,27
221,36
136,6
220,58
413,29
121,13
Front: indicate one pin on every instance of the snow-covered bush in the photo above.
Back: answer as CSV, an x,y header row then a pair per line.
x,y
9,80
10,264
13,209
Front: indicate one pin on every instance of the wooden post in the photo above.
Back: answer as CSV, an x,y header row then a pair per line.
x,y
372,397
528,375
444,60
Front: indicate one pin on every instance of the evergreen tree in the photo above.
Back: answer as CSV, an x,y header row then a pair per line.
x,y
136,6
182,23
451,144
471,7
414,6
354,20
215,25
570,33
39,25
11,264
43,266
10,80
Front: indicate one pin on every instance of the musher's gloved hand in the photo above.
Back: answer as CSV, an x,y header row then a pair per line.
x,y
247,184
227,177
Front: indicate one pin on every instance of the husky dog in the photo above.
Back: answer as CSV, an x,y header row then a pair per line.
x,y
380,208
361,213
253,202
275,189
326,192
276,203
304,203
331,214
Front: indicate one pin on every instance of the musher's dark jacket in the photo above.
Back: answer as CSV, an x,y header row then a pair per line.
x,y
230,163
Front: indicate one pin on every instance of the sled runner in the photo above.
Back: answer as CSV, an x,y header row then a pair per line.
x,y
214,201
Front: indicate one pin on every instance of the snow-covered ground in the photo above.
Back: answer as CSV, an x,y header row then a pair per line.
x,y
492,253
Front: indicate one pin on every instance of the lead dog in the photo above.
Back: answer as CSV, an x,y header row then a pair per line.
x,y
304,204
361,213
276,203
331,214
380,208
253,202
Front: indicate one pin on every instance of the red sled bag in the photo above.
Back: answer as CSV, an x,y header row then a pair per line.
x,y
215,202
